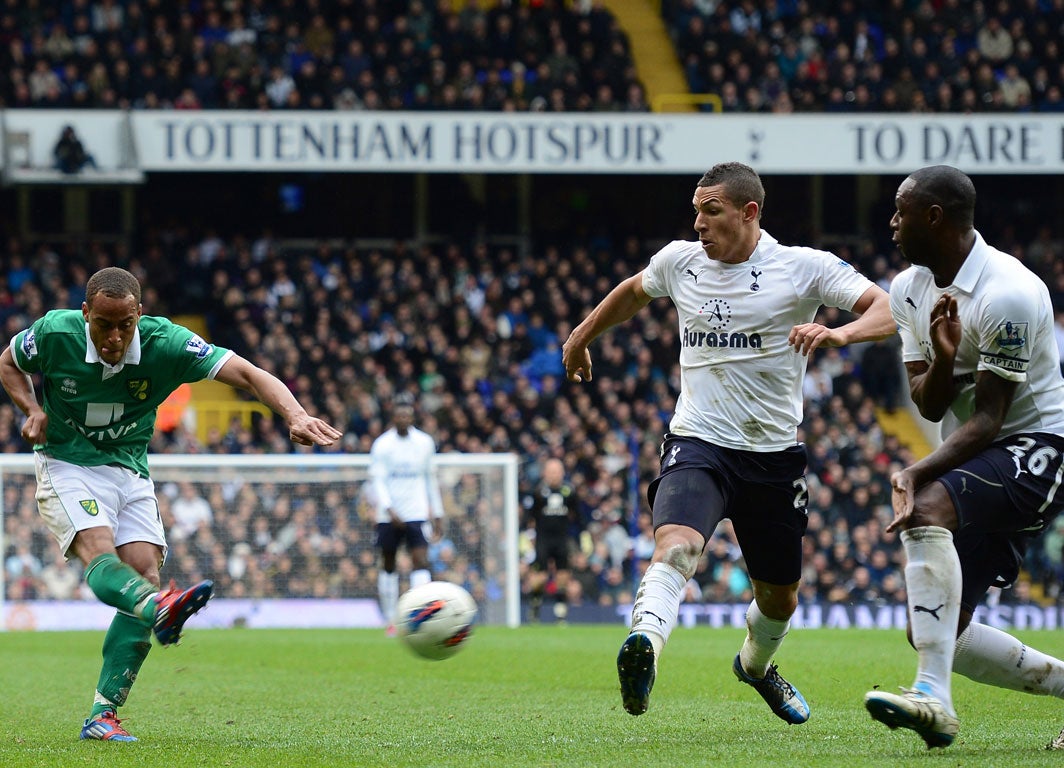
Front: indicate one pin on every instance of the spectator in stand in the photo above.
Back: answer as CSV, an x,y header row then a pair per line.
x,y
643,544
1015,90
60,579
70,154
22,563
189,509
880,373
585,582
994,41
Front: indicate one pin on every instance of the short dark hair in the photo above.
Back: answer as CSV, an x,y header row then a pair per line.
x,y
114,282
950,189
403,400
741,183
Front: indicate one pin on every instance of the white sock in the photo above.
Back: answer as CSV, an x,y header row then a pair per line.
x,y
419,577
657,603
388,592
99,698
933,584
990,656
763,638
142,606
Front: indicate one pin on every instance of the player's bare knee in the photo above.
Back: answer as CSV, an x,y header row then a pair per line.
x,y
419,561
776,601
683,556
90,543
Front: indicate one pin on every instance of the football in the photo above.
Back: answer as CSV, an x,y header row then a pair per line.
x,y
436,619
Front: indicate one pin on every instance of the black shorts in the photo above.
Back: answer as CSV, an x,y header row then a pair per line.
x,y
389,537
763,494
552,549
1004,498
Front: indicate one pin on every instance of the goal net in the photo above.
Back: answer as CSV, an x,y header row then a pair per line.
x,y
287,539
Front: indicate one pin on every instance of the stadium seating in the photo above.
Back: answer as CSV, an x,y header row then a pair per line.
x,y
480,348
900,56
418,55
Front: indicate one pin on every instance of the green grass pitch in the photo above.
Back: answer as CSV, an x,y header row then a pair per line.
x,y
535,696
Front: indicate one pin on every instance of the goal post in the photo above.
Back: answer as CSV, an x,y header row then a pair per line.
x,y
287,538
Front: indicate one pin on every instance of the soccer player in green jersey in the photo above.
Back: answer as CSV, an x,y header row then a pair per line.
x,y
105,370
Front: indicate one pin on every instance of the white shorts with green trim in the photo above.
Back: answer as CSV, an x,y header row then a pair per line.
x,y
71,498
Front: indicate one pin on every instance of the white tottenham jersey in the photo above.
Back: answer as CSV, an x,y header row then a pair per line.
x,y
404,477
1006,328
741,383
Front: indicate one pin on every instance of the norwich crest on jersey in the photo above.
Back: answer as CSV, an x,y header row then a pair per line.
x,y
90,506
139,389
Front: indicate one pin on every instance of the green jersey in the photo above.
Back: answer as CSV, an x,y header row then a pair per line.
x,y
102,414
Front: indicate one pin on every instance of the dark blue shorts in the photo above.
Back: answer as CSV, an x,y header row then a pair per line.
x,y
763,494
389,537
1004,498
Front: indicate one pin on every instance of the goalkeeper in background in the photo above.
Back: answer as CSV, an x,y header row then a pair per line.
x,y
405,490
552,507
105,370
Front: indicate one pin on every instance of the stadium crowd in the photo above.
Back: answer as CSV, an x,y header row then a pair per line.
x,y
322,54
474,333
539,55
852,56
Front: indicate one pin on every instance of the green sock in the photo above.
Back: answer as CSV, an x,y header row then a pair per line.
x,y
124,649
119,585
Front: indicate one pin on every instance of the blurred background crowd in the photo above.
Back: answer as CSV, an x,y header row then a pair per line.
x,y
475,334
473,329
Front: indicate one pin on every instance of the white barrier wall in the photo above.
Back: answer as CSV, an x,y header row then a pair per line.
x,y
105,135
222,613
408,142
